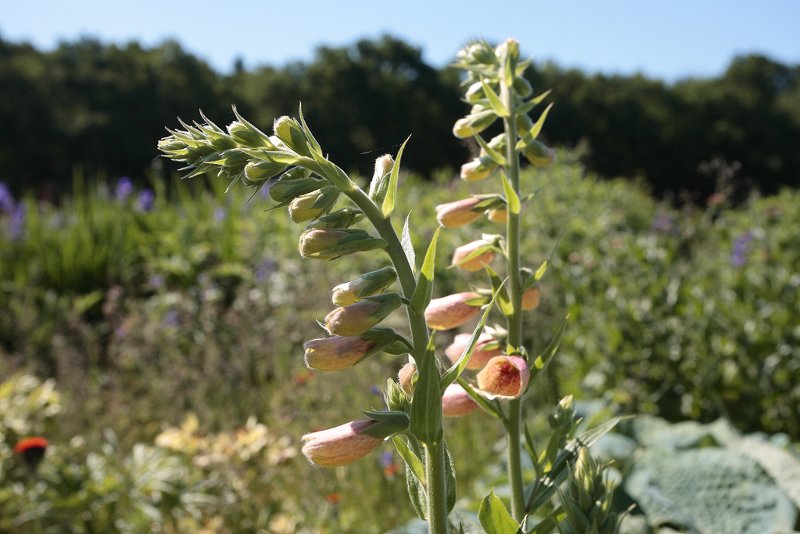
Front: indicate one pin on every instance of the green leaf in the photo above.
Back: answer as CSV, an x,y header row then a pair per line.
x,y
590,437
494,101
458,367
540,271
426,406
408,247
411,460
494,517
541,361
512,199
537,127
541,97
450,478
391,192
479,399
424,291
495,156
416,493
316,150
503,301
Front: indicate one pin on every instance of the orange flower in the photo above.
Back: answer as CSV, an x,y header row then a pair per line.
x,y
530,299
472,256
458,213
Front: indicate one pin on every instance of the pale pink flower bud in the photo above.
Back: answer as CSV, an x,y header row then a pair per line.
x,y
504,377
498,215
405,377
451,311
341,445
359,317
458,213
456,401
469,258
477,169
480,355
335,353
363,286
530,299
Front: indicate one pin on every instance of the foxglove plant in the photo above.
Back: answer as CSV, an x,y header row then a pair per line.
x,y
292,167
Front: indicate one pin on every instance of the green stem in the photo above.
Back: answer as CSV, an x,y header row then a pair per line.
x,y
434,453
513,322
436,487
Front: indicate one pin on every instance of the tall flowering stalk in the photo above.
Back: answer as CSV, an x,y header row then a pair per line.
x,y
290,166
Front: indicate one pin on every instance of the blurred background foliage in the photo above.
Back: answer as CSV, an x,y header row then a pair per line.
x,y
184,311
98,107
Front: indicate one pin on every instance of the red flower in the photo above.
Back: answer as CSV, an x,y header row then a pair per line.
x,y
31,444
32,450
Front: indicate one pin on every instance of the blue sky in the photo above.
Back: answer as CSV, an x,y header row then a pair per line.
x,y
669,39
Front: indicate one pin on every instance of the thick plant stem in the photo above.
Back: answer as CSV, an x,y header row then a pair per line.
x,y
434,453
436,487
514,322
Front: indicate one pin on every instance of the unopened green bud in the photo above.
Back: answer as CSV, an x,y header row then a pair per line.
x,y
247,134
312,205
337,352
474,93
261,171
522,87
233,159
328,244
508,52
359,317
538,154
343,218
380,178
479,53
289,131
365,285
397,398
474,123
293,183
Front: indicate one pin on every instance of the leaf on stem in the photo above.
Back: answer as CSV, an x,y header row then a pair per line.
x,y
424,290
494,101
391,192
408,247
426,406
495,156
494,516
413,462
512,199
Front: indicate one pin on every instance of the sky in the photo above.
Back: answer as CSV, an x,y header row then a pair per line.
x,y
668,39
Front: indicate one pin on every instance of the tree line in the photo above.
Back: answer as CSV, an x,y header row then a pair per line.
x,y
101,107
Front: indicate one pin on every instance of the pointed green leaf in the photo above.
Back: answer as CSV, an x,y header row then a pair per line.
x,y
494,516
512,199
479,399
408,247
541,97
413,462
458,367
426,406
540,271
503,301
391,193
495,156
424,291
541,361
494,101
450,479
316,150
537,126
417,494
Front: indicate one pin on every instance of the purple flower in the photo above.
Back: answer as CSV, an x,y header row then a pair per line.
x,y
663,222
264,269
124,189
375,390
6,199
171,319
387,459
16,223
145,200
156,281
741,248
219,214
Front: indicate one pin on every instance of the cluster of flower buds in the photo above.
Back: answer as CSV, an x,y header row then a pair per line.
x,y
486,68
588,498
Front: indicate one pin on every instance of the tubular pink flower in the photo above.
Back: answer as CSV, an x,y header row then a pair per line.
x,y
456,401
504,377
458,213
451,311
480,355
357,318
475,263
335,353
340,445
